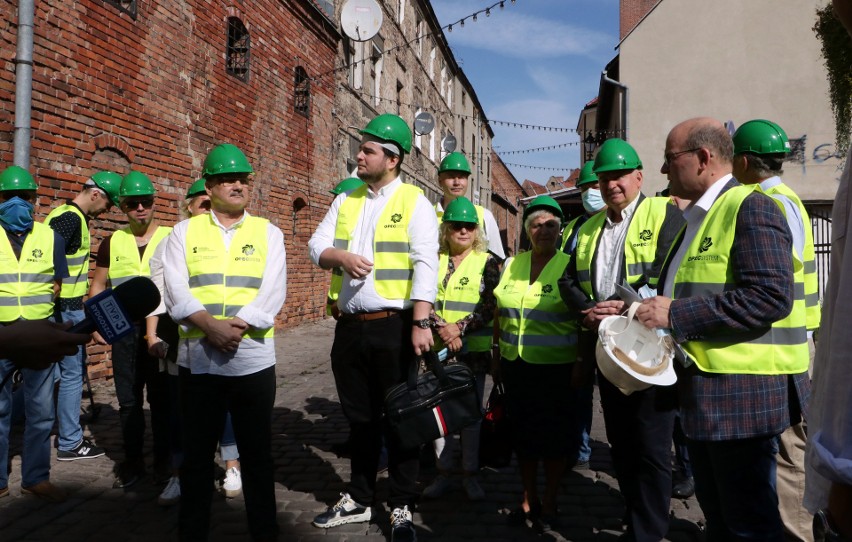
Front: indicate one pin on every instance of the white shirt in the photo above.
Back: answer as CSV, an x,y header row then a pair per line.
x,y
253,355
694,215
492,231
359,295
829,451
794,218
609,258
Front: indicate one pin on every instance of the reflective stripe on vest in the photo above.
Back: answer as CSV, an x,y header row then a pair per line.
x,y
706,271
124,255
535,324
460,296
811,279
640,243
77,282
26,285
225,281
392,267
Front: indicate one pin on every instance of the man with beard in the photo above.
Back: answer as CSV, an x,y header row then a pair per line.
x,y
71,222
124,255
384,236
226,279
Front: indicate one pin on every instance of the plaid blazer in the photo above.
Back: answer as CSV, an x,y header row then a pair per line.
x,y
735,406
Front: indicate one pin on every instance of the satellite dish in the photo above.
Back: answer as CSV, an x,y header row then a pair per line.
x,y
449,143
361,19
424,123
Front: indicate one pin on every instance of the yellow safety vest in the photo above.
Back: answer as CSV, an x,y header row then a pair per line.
x,y
26,285
77,282
567,231
705,271
225,281
535,323
813,309
392,268
459,297
124,255
640,243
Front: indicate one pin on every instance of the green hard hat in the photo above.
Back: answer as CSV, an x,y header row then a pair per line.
x,y
587,174
346,185
225,158
391,128
136,183
109,182
16,178
761,137
460,209
544,202
615,155
197,188
455,161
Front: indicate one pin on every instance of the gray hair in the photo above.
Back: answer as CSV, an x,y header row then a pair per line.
x,y
764,166
535,214
713,137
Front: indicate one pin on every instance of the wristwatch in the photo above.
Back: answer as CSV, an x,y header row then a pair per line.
x,y
823,530
423,324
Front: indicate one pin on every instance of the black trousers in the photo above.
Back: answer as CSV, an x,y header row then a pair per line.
x,y
134,370
639,428
368,358
204,400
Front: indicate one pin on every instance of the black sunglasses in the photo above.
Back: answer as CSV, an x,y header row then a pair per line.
x,y
458,226
135,203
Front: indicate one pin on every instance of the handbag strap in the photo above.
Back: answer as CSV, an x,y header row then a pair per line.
x,y
433,364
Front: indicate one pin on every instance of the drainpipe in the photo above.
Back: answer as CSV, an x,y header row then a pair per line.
x,y
24,83
624,103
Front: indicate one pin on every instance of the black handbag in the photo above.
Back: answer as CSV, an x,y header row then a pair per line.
x,y
495,442
434,404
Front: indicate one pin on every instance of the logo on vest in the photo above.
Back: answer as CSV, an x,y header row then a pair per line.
x,y
248,250
396,218
645,236
463,281
706,244
546,289
37,253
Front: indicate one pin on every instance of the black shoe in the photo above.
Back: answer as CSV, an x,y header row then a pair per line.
x,y
581,465
128,473
86,450
402,529
684,488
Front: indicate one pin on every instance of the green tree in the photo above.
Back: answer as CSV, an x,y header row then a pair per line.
x,y
837,52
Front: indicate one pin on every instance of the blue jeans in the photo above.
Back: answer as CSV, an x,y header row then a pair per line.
x,y
69,372
38,405
583,396
735,486
228,450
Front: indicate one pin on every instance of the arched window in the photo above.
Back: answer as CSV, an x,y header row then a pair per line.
x,y
302,92
238,53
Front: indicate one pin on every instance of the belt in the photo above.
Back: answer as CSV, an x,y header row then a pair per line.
x,y
368,316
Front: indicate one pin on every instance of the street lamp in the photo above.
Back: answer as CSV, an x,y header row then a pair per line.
x,y
589,144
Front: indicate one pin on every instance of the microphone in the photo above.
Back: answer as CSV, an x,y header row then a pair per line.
x,y
113,311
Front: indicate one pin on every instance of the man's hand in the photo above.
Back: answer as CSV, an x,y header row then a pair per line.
x,y
449,332
422,340
357,266
35,344
654,312
592,317
455,345
225,335
157,347
97,339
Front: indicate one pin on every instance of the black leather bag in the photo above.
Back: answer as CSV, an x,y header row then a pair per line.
x,y
495,439
434,404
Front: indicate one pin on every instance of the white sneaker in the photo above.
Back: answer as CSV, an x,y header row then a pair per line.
x,y
437,488
402,528
232,486
171,494
472,488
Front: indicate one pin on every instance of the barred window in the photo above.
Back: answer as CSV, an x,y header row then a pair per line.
x,y
238,53
126,6
302,92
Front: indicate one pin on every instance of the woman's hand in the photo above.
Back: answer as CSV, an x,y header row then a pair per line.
x,y
449,332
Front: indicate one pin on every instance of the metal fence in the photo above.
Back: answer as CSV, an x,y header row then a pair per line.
x,y
820,214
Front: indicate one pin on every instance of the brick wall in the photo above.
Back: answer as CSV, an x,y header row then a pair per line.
x,y
505,206
153,94
631,12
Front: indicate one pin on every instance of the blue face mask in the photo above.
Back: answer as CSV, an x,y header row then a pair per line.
x,y
592,200
17,215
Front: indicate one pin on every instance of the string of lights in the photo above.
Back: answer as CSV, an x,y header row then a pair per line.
x,y
540,168
538,149
448,27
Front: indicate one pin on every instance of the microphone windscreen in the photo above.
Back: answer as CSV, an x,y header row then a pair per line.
x,y
139,296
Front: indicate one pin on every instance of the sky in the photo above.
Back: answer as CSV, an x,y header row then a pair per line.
x,y
535,62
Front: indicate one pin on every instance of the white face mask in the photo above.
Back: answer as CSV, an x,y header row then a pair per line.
x,y
592,200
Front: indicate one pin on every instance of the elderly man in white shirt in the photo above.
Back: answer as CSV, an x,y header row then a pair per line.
x,y
384,236
225,282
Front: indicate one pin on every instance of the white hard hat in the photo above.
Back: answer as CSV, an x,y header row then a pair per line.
x,y
633,357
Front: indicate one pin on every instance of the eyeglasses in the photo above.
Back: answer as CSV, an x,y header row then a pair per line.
x,y
135,203
458,226
669,158
229,180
